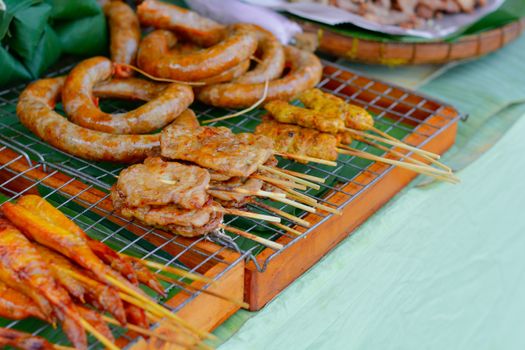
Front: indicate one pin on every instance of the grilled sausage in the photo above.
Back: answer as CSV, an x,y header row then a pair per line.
x,y
35,110
77,98
129,89
188,24
124,33
271,62
154,55
305,72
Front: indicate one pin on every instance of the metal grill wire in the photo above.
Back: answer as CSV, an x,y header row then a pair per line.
x,y
126,242
383,100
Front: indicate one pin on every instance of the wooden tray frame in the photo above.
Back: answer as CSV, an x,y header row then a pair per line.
x,y
204,311
393,53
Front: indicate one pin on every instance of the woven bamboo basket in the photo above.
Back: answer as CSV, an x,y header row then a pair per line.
x,y
397,53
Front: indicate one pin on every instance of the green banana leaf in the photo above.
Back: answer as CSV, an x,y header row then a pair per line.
x,y
70,10
510,11
86,36
13,71
27,28
46,53
34,34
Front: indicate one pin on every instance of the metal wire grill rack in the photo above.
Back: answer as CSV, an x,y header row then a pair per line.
x,y
17,178
397,111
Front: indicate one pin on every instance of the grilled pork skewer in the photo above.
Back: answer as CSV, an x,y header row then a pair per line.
x,y
24,341
311,142
357,120
124,266
22,269
70,245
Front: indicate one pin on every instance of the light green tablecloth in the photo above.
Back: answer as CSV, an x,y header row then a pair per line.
x,y
439,267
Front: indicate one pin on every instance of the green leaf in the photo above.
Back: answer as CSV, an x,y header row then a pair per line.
x,y
27,29
47,52
12,6
12,70
69,10
86,36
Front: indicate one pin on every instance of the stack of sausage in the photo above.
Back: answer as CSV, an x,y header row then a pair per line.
x,y
186,48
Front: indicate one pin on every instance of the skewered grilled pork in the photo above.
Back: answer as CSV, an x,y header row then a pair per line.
x,y
217,148
22,269
228,198
160,183
103,297
124,266
319,120
23,341
17,306
176,199
331,106
297,140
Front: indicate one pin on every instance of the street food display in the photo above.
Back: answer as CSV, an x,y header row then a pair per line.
x,y
181,175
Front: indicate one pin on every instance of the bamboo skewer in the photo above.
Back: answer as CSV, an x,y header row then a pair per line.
x,y
249,214
288,229
390,142
100,337
259,193
310,201
283,214
296,204
175,270
421,169
428,157
62,347
304,176
408,159
273,181
300,196
130,295
392,138
153,306
205,291
416,168
140,330
306,158
266,242
289,177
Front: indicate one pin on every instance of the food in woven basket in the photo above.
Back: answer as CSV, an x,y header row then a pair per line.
x,y
49,271
404,13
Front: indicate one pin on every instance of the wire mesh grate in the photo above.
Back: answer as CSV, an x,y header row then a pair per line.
x,y
17,178
396,111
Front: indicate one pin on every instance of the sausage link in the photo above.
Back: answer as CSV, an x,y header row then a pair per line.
x,y
129,89
188,24
77,98
271,62
124,29
229,74
154,55
305,72
35,110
